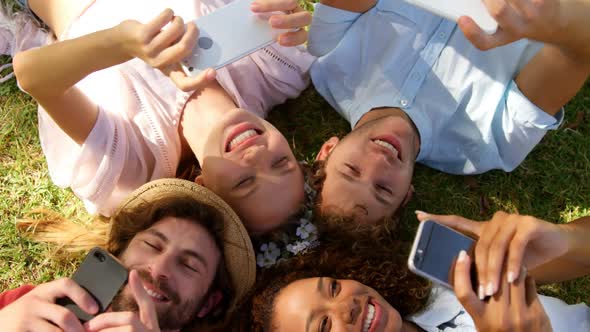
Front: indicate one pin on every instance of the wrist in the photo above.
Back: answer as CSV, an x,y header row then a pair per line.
x,y
116,41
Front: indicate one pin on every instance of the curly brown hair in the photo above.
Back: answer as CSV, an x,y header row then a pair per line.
x,y
370,254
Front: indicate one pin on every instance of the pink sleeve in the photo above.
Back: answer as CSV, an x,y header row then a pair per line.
x,y
12,295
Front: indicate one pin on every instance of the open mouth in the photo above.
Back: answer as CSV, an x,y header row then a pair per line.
x,y
390,143
156,295
240,136
372,316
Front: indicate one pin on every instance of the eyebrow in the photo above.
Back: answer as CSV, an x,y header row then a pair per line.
x,y
375,193
184,252
319,289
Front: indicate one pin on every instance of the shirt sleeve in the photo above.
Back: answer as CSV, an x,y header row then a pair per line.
x,y
104,169
520,127
12,295
327,28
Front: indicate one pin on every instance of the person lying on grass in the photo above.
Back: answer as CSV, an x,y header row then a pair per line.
x,y
357,280
111,117
416,88
190,259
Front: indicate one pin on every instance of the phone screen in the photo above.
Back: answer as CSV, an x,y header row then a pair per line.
x,y
437,249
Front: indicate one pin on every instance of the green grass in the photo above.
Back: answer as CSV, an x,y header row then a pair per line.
x,y
553,183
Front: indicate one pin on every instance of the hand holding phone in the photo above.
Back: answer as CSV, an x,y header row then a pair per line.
x,y
516,306
38,311
102,276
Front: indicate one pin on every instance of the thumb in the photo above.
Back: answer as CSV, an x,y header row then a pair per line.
x,y
147,310
466,226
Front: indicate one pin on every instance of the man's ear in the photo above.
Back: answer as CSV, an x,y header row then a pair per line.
x,y
326,148
210,303
199,180
409,195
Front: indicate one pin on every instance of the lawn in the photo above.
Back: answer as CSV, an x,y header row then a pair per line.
x,y
553,183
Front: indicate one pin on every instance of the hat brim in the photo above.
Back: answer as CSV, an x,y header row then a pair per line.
x,y
239,254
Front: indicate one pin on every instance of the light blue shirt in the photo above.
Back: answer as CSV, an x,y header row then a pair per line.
x,y
470,114
445,313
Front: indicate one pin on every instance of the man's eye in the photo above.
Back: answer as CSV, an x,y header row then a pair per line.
x,y
334,288
244,182
353,169
385,188
280,162
152,246
192,268
325,325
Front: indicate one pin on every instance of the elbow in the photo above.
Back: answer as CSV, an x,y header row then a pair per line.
x,y
24,71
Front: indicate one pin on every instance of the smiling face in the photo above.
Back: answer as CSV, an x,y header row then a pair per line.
x,y
332,305
177,260
373,165
249,164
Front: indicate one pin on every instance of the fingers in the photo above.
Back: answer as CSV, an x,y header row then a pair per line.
x,y
463,225
147,309
497,250
190,83
263,6
293,38
291,21
518,290
463,288
172,54
67,288
155,26
59,316
167,37
479,38
112,320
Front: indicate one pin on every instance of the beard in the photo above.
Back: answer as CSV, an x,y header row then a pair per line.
x,y
172,315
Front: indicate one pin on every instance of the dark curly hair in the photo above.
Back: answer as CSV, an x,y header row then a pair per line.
x,y
370,254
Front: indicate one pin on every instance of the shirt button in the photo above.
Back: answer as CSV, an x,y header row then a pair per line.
x,y
442,35
416,76
174,122
404,102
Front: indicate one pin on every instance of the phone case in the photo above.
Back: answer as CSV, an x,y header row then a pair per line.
x,y
454,9
102,276
417,241
229,34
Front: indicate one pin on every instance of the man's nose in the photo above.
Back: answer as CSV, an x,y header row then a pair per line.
x,y
160,267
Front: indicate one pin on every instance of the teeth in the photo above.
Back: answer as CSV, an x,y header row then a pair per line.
x,y
154,294
242,137
386,145
369,318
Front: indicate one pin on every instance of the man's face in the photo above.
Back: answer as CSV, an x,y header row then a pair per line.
x,y
369,172
177,260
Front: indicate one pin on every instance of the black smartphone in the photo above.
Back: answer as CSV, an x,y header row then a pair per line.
x,y
435,250
102,276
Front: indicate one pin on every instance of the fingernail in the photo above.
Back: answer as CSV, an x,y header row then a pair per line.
x,y
490,289
254,6
462,256
421,214
285,40
211,74
511,277
275,20
480,293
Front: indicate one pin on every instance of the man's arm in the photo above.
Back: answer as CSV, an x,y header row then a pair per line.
x,y
357,6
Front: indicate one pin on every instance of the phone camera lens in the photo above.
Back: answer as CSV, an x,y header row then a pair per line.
x,y
205,43
99,256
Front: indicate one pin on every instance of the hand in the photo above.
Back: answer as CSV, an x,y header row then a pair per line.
x,y
37,311
144,321
518,240
296,18
540,20
164,48
516,306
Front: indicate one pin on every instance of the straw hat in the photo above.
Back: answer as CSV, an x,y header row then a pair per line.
x,y
239,255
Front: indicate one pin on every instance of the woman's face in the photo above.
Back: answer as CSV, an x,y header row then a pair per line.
x,y
332,305
249,164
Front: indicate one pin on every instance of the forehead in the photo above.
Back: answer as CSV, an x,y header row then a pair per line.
x,y
294,304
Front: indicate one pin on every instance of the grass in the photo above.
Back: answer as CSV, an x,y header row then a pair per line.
x,y
553,183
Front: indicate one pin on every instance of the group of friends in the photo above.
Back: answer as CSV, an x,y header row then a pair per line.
x,y
223,229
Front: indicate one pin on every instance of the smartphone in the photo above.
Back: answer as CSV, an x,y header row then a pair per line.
x,y
227,35
453,9
435,250
102,276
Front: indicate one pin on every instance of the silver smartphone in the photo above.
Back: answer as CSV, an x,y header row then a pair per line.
x,y
435,250
229,34
453,9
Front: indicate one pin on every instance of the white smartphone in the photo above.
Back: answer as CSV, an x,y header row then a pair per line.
x,y
229,34
435,250
453,9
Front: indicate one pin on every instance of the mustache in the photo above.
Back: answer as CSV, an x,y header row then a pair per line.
x,y
161,285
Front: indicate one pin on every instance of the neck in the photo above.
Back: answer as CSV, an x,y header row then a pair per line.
x,y
201,113
380,113
410,327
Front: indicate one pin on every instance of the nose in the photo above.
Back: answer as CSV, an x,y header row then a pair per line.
x,y
254,155
160,267
349,311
